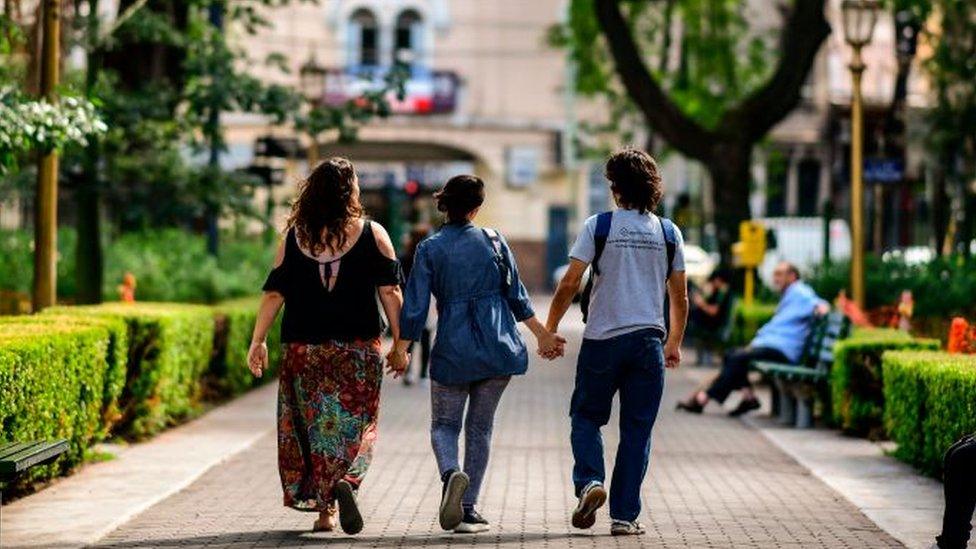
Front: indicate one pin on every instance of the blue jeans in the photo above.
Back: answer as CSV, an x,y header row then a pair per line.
x,y
633,365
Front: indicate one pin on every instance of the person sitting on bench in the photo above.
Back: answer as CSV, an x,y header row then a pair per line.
x,y
959,468
710,310
780,340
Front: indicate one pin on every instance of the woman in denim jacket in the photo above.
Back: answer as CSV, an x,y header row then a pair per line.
x,y
473,274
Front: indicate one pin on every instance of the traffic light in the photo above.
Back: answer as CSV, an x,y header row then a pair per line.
x,y
412,188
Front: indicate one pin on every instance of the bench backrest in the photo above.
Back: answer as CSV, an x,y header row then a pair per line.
x,y
818,351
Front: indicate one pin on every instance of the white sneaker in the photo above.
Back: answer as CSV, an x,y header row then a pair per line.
x,y
625,528
593,496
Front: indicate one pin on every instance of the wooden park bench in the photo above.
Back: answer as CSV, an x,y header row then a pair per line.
x,y
795,387
17,457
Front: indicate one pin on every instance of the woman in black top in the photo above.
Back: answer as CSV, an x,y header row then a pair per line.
x,y
327,274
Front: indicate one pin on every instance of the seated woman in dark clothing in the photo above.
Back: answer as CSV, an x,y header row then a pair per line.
x,y
710,311
960,494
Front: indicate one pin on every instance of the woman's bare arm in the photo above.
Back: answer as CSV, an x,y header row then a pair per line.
x,y
271,302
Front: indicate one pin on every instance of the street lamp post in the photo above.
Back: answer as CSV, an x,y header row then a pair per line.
x,y
859,17
312,83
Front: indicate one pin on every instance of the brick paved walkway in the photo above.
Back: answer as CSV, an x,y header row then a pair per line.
x,y
713,482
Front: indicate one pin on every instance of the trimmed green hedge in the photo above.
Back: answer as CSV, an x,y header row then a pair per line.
x,y
234,324
169,350
930,402
58,380
746,320
856,385
85,373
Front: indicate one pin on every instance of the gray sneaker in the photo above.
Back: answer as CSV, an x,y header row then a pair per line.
x,y
451,513
625,528
593,496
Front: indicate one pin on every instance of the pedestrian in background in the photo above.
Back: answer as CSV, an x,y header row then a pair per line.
x,y
327,273
473,274
779,340
638,263
417,234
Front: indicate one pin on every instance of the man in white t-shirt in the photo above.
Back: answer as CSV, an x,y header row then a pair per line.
x,y
638,261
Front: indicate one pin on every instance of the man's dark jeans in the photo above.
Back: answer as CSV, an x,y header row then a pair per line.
x,y
735,370
632,364
960,493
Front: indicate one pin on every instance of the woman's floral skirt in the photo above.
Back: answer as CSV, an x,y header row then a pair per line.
x,y
328,402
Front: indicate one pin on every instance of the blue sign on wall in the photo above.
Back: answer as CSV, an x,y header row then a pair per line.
x,y
884,170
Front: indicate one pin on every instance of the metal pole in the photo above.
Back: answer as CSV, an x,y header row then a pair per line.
x,y
46,206
857,181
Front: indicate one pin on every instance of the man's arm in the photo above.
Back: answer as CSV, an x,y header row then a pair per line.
x,y
565,293
678,296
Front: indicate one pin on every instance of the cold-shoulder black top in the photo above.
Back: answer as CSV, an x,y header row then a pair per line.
x,y
314,313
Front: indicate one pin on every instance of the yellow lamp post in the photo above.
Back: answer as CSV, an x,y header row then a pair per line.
x,y
859,17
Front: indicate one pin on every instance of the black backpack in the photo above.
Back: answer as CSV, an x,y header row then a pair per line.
x,y
600,235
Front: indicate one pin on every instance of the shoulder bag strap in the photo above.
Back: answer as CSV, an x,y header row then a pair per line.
x,y
500,258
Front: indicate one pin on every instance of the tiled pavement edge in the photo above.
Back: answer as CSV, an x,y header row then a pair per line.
x,y
714,482
94,501
890,493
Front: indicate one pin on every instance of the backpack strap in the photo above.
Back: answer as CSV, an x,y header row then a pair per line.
x,y
600,235
670,245
670,241
500,259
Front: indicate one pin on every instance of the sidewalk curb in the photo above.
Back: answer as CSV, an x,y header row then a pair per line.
x,y
903,503
102,496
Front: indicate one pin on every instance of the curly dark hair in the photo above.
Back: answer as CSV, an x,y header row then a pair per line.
x,y
634,177
327,200
460,196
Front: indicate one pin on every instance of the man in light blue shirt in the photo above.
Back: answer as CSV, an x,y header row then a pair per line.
x,y
780,340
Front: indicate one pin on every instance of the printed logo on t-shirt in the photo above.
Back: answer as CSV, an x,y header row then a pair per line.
x,y
635,238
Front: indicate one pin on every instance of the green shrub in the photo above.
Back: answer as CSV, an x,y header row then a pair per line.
x,y
16,252
115,358
173,265
930,402
169,265
747,319
944,287
53,380
235,323
169,350
856,385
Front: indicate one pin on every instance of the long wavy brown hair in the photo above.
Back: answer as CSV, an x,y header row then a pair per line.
x,y
327,200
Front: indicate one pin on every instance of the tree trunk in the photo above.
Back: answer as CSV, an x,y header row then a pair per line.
x,y
940,206
89,266
731,177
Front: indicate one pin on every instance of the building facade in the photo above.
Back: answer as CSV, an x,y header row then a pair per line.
x,y
485,95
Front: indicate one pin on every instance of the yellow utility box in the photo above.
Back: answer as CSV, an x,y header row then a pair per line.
x,y
748,253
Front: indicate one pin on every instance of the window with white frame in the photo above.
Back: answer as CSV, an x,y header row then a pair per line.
x,y
408,38
364,38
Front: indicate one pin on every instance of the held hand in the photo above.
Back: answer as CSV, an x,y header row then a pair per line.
x,y
672,356
257,358
551,346
397,362
821,309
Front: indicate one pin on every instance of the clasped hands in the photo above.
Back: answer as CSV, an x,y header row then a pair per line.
x,y
551,345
